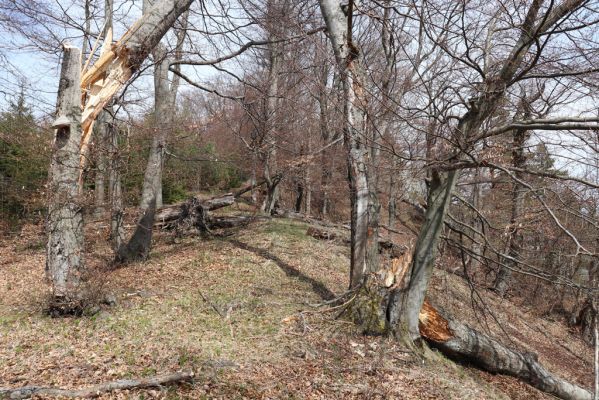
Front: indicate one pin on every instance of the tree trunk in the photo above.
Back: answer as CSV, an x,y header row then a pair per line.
x,y
152,184
299,199
165,94
515,236
64,263
348,63
270,111
117,230
406,300
463,343
325,163
100,175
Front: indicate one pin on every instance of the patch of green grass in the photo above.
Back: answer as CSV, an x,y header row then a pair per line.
x,y
289,229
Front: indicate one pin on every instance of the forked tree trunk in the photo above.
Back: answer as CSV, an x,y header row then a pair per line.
x,y
64,263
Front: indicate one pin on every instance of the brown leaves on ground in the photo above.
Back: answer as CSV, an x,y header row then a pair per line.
x,y
239,312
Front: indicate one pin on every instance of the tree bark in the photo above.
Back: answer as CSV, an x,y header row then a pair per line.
x,y
96,390
270,111
163,111
519,138
100,173
117,230
463,343
406,300
64,251
165,94
348,63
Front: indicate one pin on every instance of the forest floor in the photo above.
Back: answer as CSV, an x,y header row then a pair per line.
x,y
241,311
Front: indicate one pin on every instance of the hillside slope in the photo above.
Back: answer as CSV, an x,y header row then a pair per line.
x,y
241,311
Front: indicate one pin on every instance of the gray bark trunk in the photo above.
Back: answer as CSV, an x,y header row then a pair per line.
x,y
165,94
325,164
270,111
515,236
64,263
406,301
100,174
117,230
350,69
152,185
466,344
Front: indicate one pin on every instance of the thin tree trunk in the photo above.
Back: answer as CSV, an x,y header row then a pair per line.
x,y
392,207
64,263
596,337
100,174
117,230
270,111
325,163
515,237
299,198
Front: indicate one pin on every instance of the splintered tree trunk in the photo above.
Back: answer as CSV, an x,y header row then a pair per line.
x,y
118,63
461,342
64,251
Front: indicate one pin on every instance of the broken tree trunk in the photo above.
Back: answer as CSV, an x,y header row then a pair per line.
x,y
118,63
461,342
96,390
64,250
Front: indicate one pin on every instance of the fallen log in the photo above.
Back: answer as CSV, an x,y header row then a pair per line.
x,y
393,249
174,211
462,343
96,390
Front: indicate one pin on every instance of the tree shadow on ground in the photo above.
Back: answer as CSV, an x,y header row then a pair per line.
x,y
318,287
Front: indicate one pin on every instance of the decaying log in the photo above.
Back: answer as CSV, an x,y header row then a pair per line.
x,y
96,390
463,343
173,212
